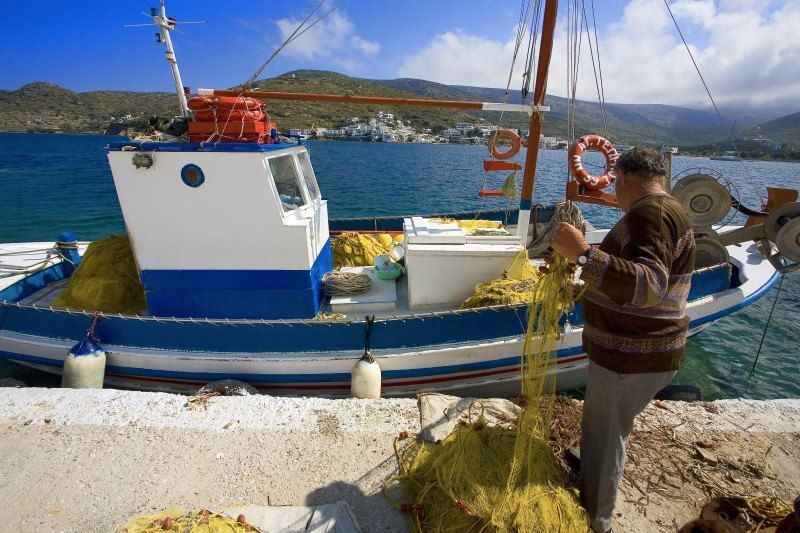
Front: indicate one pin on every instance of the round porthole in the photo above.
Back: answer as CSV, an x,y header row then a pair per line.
x,y
192,175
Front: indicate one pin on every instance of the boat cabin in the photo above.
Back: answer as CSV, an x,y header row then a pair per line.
x,y
225,230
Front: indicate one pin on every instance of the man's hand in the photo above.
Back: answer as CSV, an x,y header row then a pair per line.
x,y
568,241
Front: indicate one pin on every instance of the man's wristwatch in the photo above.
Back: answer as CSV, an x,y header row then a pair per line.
x,y
584,257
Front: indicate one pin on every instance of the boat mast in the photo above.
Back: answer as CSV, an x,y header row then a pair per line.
x,y
166,25
535,129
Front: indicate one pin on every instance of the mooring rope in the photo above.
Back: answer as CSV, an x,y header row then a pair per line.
x,y
52,254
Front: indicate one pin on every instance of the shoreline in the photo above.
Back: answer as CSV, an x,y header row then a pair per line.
x,y
90,459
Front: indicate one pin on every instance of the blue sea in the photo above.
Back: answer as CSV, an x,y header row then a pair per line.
x,y
51,183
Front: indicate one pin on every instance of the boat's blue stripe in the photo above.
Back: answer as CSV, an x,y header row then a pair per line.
x,y
268,294
296,378
405,334
764,289
389,374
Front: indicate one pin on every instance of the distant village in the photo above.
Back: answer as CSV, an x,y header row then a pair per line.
x,y
386,127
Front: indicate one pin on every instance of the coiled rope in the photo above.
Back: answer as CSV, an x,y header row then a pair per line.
x,y
339,283
566,211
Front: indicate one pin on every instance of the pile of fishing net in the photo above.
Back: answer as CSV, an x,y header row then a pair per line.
x,y
360,249
515,285
202,521
490,478
469,225
106,279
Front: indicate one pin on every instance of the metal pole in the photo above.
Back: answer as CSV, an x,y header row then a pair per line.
x,y
163,23
535,130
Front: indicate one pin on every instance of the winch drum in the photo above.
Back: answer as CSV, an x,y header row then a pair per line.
x,y
777,218
709,252
788,240
705,199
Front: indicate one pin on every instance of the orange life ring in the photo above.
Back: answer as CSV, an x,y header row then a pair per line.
x,y
604,146
504,134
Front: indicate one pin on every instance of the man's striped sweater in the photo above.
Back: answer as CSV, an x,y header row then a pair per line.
x,y
638,281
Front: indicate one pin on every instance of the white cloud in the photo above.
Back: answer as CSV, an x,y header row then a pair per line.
x,y
748,53
333,38
460,58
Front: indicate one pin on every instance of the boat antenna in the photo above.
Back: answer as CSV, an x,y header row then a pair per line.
x,y
166,25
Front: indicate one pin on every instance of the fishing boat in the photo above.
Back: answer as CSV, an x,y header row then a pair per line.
x,y
232,241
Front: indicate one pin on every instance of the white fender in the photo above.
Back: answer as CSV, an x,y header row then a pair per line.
x,y
365,380
85,365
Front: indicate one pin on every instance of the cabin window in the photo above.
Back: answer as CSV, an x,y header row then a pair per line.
x,y
308,174
287,182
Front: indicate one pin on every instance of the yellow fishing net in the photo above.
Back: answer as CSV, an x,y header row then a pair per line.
x,y
469,225
106,280
359,249
515,285
175,519
483,478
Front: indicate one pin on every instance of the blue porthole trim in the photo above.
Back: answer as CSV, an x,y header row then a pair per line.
x,y
190,178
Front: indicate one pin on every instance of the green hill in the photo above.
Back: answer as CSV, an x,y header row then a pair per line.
x,y
46,107
784,129
43,106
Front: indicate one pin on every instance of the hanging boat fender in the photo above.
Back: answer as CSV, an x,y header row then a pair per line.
x,y
85,365
509,135
604,146
365,380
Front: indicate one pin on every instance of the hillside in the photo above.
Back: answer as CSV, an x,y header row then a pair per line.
x,y
45,107
784,129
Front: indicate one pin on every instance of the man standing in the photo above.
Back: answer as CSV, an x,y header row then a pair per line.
x,y
635,326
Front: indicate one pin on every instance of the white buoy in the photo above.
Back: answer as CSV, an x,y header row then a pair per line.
x,y
365,379
85,365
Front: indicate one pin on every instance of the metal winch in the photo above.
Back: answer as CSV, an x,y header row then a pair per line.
x,y
707,201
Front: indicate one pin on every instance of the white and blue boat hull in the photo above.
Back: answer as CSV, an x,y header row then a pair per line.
x,y
462,351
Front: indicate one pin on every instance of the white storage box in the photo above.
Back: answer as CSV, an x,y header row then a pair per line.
x,y
443,268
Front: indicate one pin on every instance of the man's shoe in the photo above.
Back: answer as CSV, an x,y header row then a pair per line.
x,y
573,457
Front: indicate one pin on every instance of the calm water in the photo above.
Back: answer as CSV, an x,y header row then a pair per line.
x,y
51,183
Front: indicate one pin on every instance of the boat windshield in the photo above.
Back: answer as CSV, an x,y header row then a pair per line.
x,y
287,182
308,175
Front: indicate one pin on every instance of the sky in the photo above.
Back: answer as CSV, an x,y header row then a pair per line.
x,y
747,50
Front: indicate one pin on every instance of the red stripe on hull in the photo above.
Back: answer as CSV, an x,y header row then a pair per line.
x,y
387,384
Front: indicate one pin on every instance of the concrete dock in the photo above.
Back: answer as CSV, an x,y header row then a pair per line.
x,y
89,460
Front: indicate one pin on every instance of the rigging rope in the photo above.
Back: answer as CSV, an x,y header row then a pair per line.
x,y
713,102
289,39
766,327
531,55
595,68
574,41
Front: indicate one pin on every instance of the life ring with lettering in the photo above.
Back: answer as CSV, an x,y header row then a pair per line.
x,y
508,135
604,146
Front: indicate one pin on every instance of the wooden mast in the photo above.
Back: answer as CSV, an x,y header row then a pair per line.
x,y
535,130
